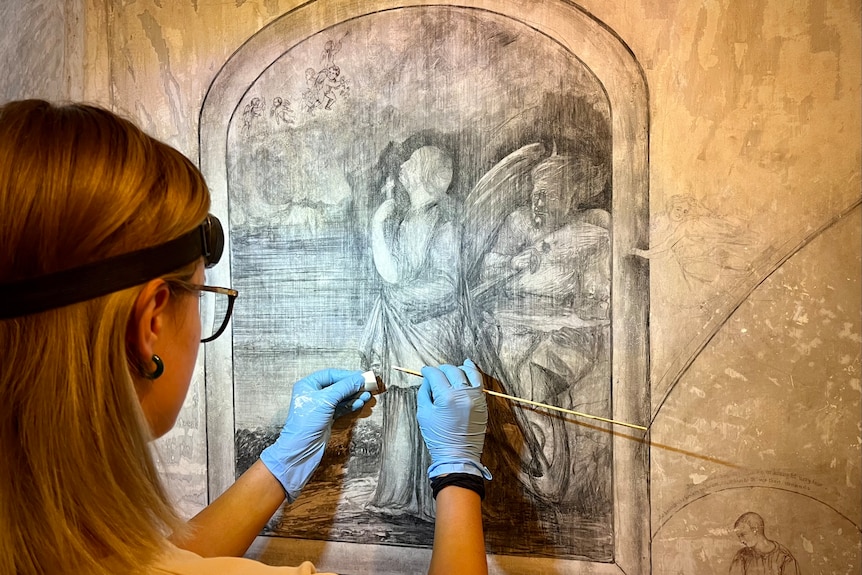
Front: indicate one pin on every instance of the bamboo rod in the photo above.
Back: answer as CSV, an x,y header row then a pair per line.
x,y
537,404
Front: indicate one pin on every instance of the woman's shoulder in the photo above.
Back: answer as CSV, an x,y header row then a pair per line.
x,y
177,561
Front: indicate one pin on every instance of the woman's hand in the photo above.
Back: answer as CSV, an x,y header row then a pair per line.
x,y
229,524
452,416
315,403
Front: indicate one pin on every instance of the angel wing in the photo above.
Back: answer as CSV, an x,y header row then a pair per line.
x,y
503,188
500,191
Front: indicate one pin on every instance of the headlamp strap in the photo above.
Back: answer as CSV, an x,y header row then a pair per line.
x,y
100,278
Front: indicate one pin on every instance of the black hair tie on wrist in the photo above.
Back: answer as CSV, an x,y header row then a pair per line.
x,y
466,480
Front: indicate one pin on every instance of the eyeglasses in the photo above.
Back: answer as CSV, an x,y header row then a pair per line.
x,y
216,307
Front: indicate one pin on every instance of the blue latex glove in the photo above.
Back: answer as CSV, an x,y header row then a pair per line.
x,y
452,416
314,404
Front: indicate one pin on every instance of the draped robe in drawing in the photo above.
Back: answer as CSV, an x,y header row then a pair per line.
x,y
415,321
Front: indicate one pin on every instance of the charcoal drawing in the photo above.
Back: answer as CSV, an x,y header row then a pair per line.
x,y
455,198
325,84
537,294
281,111
542,300
713,252
759,554
416,319
499,87
254,109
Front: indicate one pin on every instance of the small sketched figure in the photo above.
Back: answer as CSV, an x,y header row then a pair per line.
x,y
310,95
759,555
330,49
252,110
707,246
713,254
281,112
327,84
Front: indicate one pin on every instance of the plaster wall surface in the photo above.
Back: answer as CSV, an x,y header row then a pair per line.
x,y
41,49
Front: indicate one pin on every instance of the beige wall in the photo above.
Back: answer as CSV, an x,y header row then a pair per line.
x,y
41,49
755,115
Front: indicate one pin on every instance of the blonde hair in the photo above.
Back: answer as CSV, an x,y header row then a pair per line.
x,y
79,491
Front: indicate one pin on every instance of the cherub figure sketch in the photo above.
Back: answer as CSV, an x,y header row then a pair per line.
x,y
326,85
415,320
707,246
309,96
330,49
539,292
324,88
281,112
254,109
759,555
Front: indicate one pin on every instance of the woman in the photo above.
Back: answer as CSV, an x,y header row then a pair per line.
x,y
105,236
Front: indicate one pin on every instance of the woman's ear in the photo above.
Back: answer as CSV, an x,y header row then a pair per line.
x,y
148,320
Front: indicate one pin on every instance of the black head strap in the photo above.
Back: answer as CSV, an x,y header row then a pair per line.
x,y
96,279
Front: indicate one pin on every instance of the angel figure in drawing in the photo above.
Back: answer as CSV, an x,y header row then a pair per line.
x,y
324,88
330,49
254,109
416,319
327,84
538,288
281,111
707,246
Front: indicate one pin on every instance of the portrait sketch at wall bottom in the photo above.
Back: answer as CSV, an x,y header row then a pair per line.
x,y
455,202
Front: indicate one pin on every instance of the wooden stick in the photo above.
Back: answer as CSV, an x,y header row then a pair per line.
x,y
537,404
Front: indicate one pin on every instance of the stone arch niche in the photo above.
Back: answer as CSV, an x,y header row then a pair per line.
x,y
417,182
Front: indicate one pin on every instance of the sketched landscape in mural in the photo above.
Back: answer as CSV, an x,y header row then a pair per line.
x,y
454,202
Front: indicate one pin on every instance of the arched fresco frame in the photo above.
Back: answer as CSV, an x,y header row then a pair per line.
x,y
621,77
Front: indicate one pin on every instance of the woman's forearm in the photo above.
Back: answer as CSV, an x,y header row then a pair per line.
x,y
228,525
459,540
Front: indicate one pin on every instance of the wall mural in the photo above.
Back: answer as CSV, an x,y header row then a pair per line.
x,y
405,221
410,183
747,514
442,191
